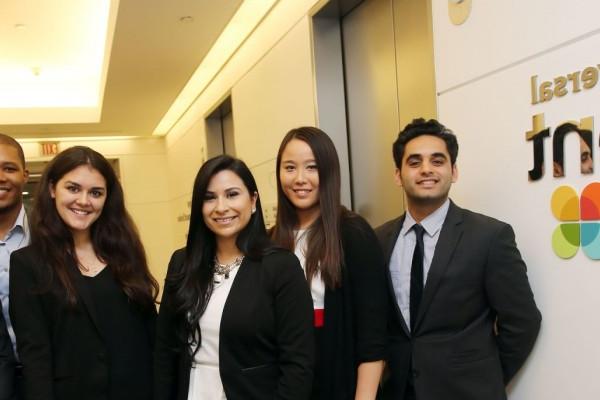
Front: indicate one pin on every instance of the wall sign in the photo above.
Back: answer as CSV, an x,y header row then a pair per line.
x,y
49,148
578,215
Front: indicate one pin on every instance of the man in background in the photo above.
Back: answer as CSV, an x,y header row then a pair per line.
x,y
14,234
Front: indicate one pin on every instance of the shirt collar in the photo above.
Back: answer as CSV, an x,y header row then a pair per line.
x,y
21,218
20,226
21,221
432,223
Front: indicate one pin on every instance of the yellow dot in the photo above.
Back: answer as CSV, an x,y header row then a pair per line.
x,y
565,204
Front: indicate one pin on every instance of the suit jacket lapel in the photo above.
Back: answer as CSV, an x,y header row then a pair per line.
x,y
450,235
390,242
391,236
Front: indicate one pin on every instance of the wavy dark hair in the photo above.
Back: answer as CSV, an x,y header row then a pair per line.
x,y
193,284
324,244
419,127
114,236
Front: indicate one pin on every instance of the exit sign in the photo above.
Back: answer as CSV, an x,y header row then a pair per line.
x,y
49,148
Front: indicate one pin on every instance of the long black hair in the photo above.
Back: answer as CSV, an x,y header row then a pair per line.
x,y
324,243
193,284
114,236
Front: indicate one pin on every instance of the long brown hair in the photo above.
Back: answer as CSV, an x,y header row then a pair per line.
x,y
324,244
114,236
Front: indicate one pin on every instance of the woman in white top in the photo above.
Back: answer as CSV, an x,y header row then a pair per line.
x,y
343,263
236,312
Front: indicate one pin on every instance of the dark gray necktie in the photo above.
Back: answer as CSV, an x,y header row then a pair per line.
x,y
416,275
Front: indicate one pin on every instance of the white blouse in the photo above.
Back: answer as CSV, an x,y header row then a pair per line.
x,y
317,286
205,379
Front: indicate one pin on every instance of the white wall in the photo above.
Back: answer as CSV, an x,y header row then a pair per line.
x,y
483,71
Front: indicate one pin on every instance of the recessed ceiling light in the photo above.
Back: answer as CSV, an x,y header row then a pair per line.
x,y
241,25
54,65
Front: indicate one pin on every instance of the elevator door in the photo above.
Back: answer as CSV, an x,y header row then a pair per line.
x,y
389,80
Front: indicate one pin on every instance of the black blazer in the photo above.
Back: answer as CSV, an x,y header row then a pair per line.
x,y
354,329
61,347
266,341
7,362
477,321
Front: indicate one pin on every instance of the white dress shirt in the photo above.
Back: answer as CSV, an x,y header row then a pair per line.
x,y
205,376
401,260
17,237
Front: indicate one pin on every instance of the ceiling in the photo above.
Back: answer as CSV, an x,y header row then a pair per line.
x,y
155,50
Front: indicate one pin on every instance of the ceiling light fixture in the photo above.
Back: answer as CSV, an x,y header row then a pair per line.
x,y
246,18
54,62
187,19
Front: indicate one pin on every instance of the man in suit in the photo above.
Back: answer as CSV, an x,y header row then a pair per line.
x,y
464,318
14,234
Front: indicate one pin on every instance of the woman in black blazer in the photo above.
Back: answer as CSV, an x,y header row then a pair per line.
x,y
81,295
343,263
235,317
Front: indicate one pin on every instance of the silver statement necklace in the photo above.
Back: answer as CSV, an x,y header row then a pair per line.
x,y
222,271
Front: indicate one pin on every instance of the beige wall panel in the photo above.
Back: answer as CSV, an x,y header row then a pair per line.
x,y
185,156
144,177
153,222
180,213
266,181
276,95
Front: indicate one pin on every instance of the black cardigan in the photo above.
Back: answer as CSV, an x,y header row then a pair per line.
x,y
266,343
355,314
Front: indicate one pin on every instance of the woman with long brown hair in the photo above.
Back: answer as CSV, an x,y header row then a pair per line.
x,y
82,297
343,264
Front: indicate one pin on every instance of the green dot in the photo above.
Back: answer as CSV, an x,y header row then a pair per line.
x,y
565,240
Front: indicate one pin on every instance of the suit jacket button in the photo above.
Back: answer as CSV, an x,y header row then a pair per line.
x,y
415,373
101,356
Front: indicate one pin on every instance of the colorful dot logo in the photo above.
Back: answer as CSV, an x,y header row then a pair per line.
x,y
580,219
